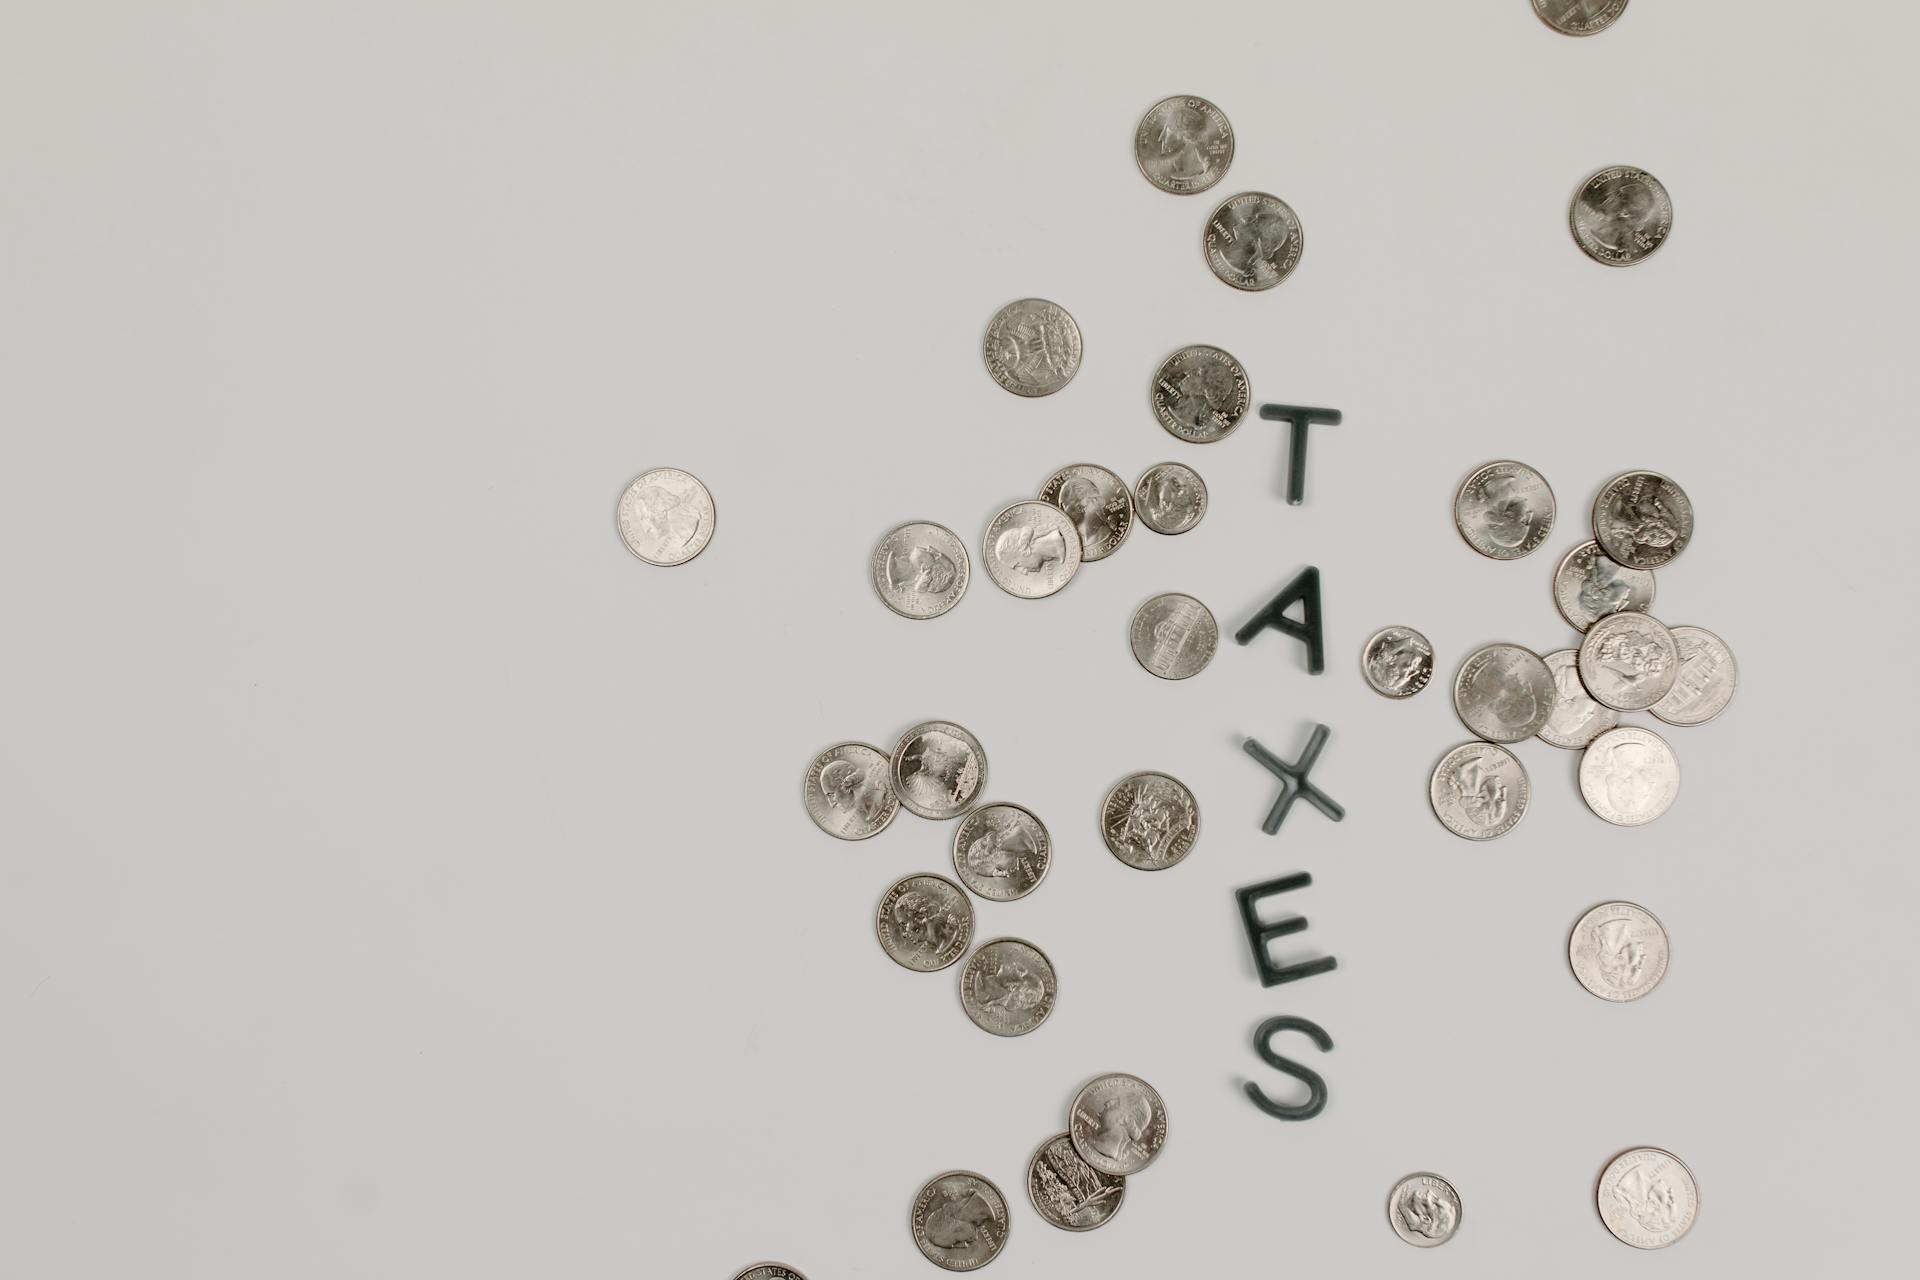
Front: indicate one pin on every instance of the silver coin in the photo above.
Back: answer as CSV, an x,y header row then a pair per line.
x,y
1032,347
1618,951
1067,1191
1504,510
921,569
1001,851
1577,719
1397,661
1642,519
1579,17
848,791
1629,661
1424,1210
769,1271
1504,693
1479,791
960,1221
924,922
1174,636
1099,504
1629,776
1118,1123
1008,987
1184,144
665,516
937,769
1170,498
1706,680
1647,1198
1150,821
1620,216
1031,550
1200,394
1590,584
1253,241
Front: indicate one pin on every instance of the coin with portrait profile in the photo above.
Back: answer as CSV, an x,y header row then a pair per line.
x,y
1629,661
1032,347
1200,394
1253,241
920,569
1067,1191
1001,851
1647,1198
848,791
1424,1210
1620,216
1503,692
769,1271
1031,550
1642,519
1099,504
1118,1123
1173,636
1504,510
1479,791
1589,584
1618,951
1170,498
1629,776
959,1221
1008,987
1183,145
924,922
666,517
1150,821
1579,17
1577,719
937,769
1397,662
1704,685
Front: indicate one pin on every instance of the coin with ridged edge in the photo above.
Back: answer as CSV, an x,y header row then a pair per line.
x,y
937,768
1629,661
1629,776
1504,510
666,516
1173,636
1618,951
1647,1198
1253,241
1170,498
1479,791
1577,719
1424,1210
1704,685
1183,145
769,1271
1001,851
1503,692
959,1221
1068,1192
921,569
1031,550
1150,821
1008,987
849,792
1032,347
1397,662
1118,1123
1099,504
1589,584
1620,216
1642,519
924,922
1579,17
1200,394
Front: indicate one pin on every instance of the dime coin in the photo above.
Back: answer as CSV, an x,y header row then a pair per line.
x,y
1200,394
1031,550
1479,791
1503,692
1706,681
925,922
1424,1210
1069,1192
1629,776
938,768
960,1221
1170,497
1118,1124
1579,17
1577,719
1620,216
1647,1198
1150,821
1184,144
1590,584
1032,347
1618,951
1397,662
666,516
1253,241
1008,987
920,569
769,1271
848,791
1097,502
1001,851
1642,519
1174,636
1629,661
1504,510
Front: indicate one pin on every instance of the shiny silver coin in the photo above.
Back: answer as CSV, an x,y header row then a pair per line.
x,y
1008,987
1590,584
1629,776
665,516
1150,821
1424,1210
1170,498
1397,662
1001,851
960,1221
1706,680
1118,1123
1579,17
1642,519
1479,791
1067,1191
1183,145
848,791
1032,347
1620,216
1253,241
1629,661
1504,693
937,769
1200,394
1173,636
924,922
1099,504
921,569
769,1271
1618,951
1647,1198
1577,719
1504,510
1031,550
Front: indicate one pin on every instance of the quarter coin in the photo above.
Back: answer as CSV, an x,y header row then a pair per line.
x,y
1253,241
1424,1210
1150,821
960,1221
1504,693
1200,394
665,516
1174,636
1504,510
1184,144
1119,1123
1098,503
1629,661
1397,662
1068,1192
1170,497
1031,550
1620,216
769,1271
1590,584
848,792
1629,776
937,769
1647,1198
1008,987
1579,17
1642,519
1577,719
1618,951
1001,851
1706,681
1479,791
924,922
1032,347
920,569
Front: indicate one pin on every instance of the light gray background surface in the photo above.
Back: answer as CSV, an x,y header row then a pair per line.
x,y
400,879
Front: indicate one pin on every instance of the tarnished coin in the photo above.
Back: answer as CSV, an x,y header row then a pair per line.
x,y
937,769
1031,550
1620,216
921,569
1503,692
1504,510
1577,719
1201,394
1001,851
925,922
769,1271
1397,661
1184,144
1118,1123
1590,584
1618,951
1170,497
848,791
1032,347
1150,821
1174,636
1098,503
1253,241
1424,1210
1579,17
960,1221
666,516
1647,1198
1629,776
1642,519
1479,791
1070,1193
1629,661
1706,681
1008,987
